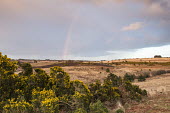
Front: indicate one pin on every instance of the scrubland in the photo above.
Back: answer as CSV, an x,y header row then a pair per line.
x,y
127,85
157,84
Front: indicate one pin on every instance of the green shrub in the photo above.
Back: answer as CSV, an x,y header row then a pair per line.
x,y
80,100
27,69
128,77
159,72
50,105
98,107
135,93
80,110
119,111
17,107
141,78
55,92
107,70
168,71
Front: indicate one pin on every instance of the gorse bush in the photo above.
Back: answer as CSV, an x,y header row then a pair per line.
x,y
98,107
27,69
128,77
39,92
159,72
119,111
21,106
107,70
141,78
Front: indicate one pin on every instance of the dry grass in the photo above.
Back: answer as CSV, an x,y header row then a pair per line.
x,y
90,73
156,104
158,87
141,60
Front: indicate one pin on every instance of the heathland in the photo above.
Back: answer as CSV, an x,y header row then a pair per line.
x,y
72,86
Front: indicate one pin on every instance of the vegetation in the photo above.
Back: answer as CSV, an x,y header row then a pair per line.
x,y
36,91
107,70
141,78
145,63
128,77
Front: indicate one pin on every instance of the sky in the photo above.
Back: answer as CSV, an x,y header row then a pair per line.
x,y
84,29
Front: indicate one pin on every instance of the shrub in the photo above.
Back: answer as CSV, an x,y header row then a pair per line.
x,y
98,107
80,110
7,66
135,93
119,111
107,70
159,72
168,71
146,74
17,107
55,92
27,69
128,77
114,79
41,78
80,100
50,105
45,101
59,81
141,78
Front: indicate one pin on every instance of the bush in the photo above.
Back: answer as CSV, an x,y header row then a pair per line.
x,y
146,74
17,107
27,69
50,105
98,107
135,93
168,71
80,110
119,111
159,72
141,78
128,77
107,70
55,92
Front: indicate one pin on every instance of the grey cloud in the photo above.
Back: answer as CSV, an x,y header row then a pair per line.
x,y
40,27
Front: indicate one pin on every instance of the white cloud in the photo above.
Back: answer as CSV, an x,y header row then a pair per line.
x,y
133,26
148,52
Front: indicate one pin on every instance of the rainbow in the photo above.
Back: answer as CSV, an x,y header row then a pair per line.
x,y
68,38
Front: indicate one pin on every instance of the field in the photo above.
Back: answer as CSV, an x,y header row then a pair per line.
x,y
91,71
155,104
158,86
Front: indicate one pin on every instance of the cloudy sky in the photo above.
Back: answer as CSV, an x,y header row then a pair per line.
x,y
84,29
